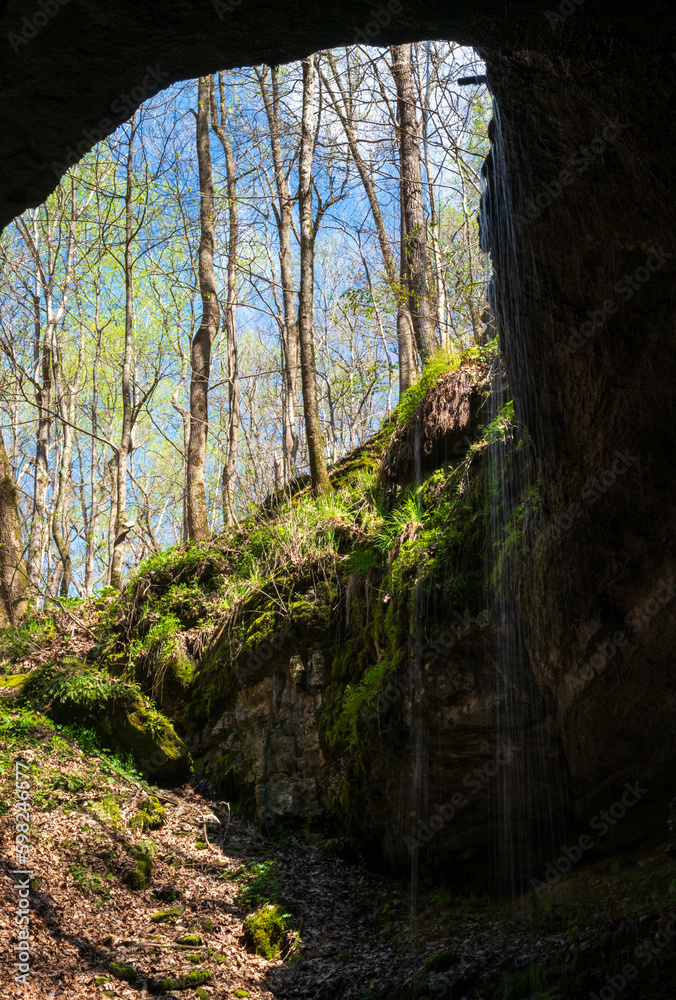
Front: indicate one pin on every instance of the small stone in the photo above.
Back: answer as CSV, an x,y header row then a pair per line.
x,y
163,915
123,971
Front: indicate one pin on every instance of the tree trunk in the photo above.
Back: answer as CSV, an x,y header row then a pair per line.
x,y
185,420
313,430
122,526
413,235
43,399
200,355
283,217
61,507
14,583
91,522
404,320
436,253
230,464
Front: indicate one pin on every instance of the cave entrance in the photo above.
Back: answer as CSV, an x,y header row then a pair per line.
x,y
113,260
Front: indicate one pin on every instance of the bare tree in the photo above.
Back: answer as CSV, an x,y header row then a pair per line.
x,y
283,211
14,583
200,355
413,233
313,429
345,111
122,525
230,464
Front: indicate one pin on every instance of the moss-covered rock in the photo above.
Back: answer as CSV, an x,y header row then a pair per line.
x,y
265,929
108,811
171,912
189,981
139,875
151,815
12,684
123,971
74,691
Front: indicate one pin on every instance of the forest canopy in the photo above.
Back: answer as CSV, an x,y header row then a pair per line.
x,y
232,290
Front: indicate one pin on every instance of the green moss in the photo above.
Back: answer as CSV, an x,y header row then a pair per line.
x,y
140,821
189,981
443,363
72,685
440,961
241,993
108,811
202,994
265,929
163,916
74,692
123,971
207,924
139,877
151,815
12,681
189,939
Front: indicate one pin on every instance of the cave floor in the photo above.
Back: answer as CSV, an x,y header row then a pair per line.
x,y
351,933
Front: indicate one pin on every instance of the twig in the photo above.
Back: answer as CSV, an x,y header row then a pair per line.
x,y
65,611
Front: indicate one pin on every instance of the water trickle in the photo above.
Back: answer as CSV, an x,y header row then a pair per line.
x,y
528,792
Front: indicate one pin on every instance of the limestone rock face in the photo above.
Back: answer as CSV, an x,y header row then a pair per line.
x,y
492,735
270,740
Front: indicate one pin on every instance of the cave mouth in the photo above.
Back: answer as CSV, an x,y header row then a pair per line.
x,y
560,80
155,153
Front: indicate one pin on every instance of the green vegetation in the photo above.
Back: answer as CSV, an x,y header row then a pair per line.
x,y
90,883
108,811
164,916
109,708
259,884
123,971
189,981
72,684
151,815
33,633
265,929
443,363
140,873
